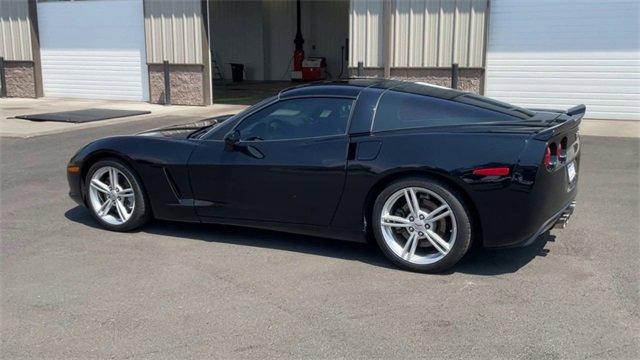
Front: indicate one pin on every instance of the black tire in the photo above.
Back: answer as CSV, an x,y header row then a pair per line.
x,y
457,205
141,211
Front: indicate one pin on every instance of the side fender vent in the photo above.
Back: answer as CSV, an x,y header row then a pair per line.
x,y
172,183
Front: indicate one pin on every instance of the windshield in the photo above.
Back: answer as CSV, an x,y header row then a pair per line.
x,y
212,133
252,108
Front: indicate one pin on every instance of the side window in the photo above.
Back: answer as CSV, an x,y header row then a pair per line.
x,y
297,119
398,110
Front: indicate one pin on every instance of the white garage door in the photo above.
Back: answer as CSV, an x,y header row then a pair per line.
x,y
555,54
93,49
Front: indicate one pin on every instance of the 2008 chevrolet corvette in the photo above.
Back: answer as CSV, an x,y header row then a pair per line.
x,y
422,169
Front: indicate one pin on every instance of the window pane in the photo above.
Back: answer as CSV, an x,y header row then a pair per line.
x,y
298,118
398,110
492,104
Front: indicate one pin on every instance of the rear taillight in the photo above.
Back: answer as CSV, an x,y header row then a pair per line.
x,y
547,157
551,156
562,151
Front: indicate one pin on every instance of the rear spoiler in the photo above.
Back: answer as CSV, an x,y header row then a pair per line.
x,y
575,115
577,110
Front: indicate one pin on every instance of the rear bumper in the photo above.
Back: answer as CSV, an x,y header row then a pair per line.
x,y
558,220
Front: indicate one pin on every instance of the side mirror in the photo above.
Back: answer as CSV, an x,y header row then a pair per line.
x,y
231,139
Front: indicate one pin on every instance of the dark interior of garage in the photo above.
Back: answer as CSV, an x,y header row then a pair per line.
x,y
282,44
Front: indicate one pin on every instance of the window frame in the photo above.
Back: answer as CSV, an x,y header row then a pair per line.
x,y
279,100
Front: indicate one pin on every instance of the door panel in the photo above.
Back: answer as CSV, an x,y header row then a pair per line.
x,y
292,181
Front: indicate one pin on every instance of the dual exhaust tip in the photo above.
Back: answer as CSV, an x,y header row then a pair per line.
x,y
563,220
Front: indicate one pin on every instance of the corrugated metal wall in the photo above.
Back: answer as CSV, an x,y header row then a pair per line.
x,y
365,31
15,30
424,33
173,31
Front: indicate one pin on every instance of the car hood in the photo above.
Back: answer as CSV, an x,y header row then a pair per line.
x,y
182,131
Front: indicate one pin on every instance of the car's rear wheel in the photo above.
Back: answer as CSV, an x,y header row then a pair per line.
x,y
421,224
115,196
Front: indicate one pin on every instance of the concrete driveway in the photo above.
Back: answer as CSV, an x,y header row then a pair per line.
x,y
72,290
10,126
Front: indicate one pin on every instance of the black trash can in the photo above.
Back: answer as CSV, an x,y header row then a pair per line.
x,y
237,72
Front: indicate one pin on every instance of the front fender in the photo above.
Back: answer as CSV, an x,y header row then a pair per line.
x,y
160,163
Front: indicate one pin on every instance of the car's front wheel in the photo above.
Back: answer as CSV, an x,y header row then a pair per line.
x,y
421,224
115,196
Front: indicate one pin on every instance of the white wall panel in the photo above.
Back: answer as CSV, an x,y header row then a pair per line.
x,y
173,31
431,38
401,33
15,30
461,39
365,33
424,33
93,49
416,30
477,33
446,33
554,54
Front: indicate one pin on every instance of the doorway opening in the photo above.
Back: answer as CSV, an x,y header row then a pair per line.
x,y
259,35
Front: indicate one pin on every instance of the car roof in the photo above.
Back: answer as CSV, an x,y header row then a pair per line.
x,y
353,87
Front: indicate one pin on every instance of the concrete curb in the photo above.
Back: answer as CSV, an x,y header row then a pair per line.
x,y
610,128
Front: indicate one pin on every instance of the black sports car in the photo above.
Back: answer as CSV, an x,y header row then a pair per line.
x,y
424,170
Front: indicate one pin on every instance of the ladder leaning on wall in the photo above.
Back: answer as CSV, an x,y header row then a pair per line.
x,y
216,71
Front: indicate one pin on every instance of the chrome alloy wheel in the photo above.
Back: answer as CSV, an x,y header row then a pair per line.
x,y
418,225
111,195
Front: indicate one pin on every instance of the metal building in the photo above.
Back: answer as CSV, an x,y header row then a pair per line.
x,y
420,40
555,54
542,53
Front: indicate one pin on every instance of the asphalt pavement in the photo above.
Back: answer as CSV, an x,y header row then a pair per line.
x,y
172,290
